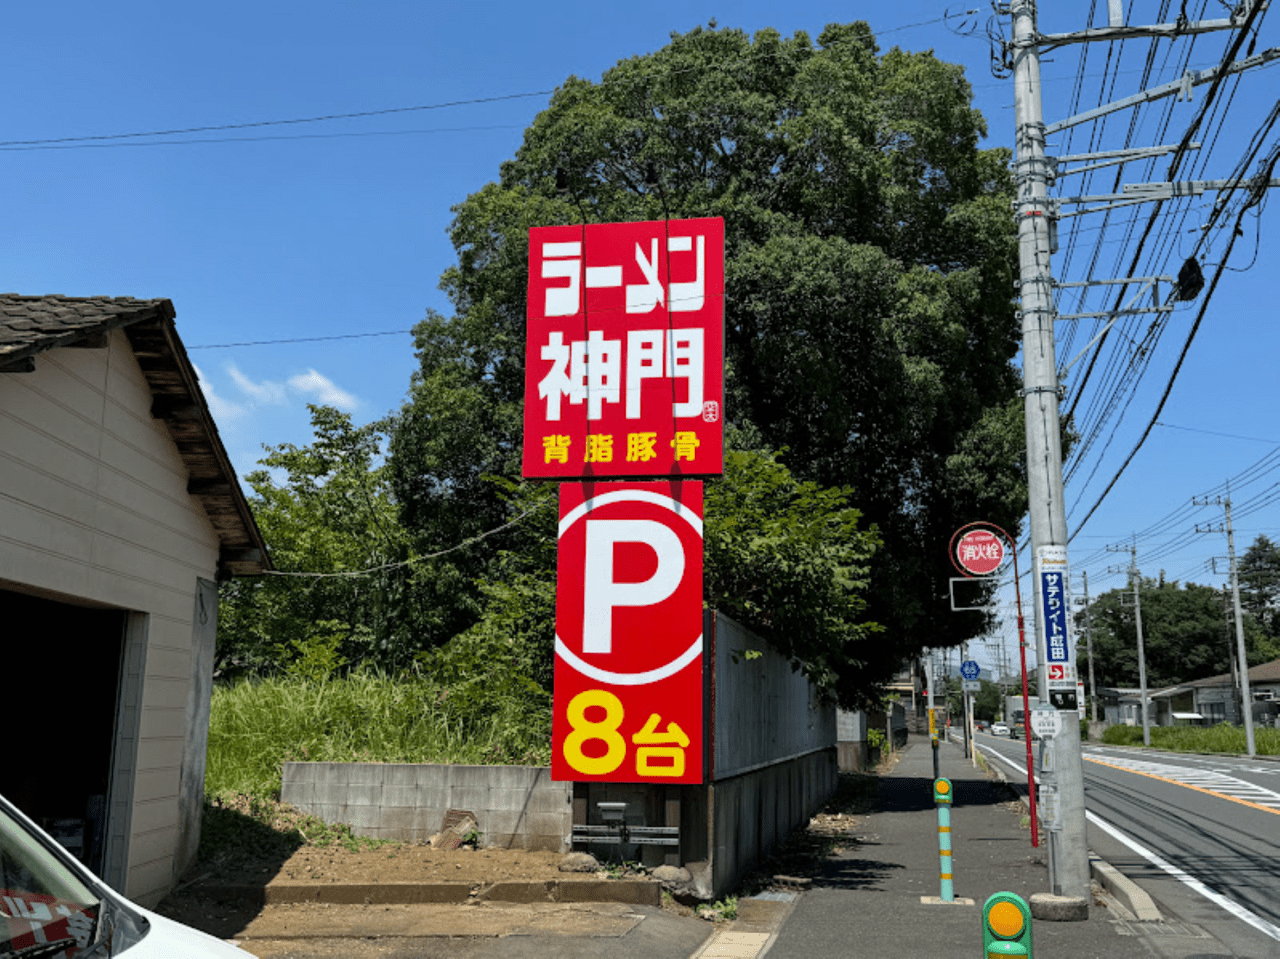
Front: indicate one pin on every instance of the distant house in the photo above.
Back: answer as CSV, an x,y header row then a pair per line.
x,y
1214,700
119,512
1202,702
1120,706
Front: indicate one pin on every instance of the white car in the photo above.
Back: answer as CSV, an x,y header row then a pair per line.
x,y
999,729
52,907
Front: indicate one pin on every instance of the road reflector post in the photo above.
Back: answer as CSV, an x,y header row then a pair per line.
x,y
942,799
1006,926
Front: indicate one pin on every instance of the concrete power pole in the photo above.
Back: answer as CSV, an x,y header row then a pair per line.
x,y
1088,638
1037,216
1142,655
1068,850
1246,697
1135,578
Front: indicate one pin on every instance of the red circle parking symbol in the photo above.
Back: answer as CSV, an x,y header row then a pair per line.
x,y
629,595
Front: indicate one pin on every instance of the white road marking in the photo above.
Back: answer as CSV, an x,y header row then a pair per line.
x,y
1237,910
1201,778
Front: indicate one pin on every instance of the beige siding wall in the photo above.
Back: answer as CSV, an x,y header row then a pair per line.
x,y
94,504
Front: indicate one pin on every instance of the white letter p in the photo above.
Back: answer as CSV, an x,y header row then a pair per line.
x,y
601,594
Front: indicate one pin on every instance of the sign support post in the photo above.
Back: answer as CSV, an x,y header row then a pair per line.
x,y
980,552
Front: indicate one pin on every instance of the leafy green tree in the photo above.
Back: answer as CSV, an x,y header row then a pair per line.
x,y
987,704
789,560
1185,635
786,558
869,319
1260,594
323,508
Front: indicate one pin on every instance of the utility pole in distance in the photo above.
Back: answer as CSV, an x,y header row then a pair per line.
x,y
1246,697
1088,638
1135,577
1068,849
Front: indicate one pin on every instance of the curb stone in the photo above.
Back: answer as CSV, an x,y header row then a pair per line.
x,y
630,892
1129,894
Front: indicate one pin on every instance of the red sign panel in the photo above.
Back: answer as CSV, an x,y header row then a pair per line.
x,y
980,552
624,361
628,666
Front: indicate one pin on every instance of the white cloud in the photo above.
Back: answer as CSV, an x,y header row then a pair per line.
x,y
221,408
263,392
324,389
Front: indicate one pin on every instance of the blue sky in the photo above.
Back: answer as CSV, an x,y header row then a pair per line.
x,y
286,232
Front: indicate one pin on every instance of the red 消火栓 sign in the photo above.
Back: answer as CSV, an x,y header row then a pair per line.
x,y
980,552
629,644
624,363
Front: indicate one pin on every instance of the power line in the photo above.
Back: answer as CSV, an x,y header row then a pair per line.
x,y
296,339
1233,436
262,139
348,574
216,128
387,111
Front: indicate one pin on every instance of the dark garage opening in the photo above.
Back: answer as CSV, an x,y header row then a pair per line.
x,y
61,680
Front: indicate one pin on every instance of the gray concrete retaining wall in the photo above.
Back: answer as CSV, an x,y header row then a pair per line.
x,y
515,806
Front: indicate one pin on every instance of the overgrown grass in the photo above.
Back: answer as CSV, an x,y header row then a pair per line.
x,y
256,725
1223,738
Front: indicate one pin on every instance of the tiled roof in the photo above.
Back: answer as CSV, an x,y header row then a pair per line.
x,y
31,325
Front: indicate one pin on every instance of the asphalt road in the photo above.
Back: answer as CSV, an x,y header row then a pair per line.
x,y
1200,833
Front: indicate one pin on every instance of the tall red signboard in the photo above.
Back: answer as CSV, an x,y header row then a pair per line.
x,y
628,664
625,350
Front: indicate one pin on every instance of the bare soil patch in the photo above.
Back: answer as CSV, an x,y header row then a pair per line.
x,y
250,842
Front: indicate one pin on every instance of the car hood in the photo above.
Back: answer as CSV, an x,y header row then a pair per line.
x,y
172,940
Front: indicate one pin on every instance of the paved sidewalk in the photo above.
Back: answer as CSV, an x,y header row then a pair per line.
x,y
869,901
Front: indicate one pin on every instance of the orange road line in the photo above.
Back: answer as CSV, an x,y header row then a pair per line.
x,y
1199,789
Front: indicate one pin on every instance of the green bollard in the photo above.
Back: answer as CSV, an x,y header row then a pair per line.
x,y
1006,926
942,798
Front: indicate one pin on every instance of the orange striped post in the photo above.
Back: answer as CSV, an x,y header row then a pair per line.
x,y
942,798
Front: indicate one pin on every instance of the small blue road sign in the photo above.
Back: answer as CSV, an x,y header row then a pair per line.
x,y
969,669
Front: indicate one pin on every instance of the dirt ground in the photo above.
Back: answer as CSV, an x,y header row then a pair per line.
x,y
417,863
265,857
196,903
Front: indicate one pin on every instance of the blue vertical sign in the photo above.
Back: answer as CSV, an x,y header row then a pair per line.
x,y
1053,606
1057,643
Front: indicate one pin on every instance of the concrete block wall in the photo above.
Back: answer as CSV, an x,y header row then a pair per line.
x,y
515,806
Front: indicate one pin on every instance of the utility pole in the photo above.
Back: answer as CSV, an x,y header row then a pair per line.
x,y
1088,638
1142,654
1227,620
1037,215
1068,850
1135,578
1246,698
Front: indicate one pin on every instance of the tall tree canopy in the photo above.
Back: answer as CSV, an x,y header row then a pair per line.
x,y
1260,587
869,317
1186,632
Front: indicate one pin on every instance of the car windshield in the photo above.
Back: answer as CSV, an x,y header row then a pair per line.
x,y
41,900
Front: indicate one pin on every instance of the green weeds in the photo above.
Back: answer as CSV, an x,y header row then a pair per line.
x,y
256,725
1223,738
